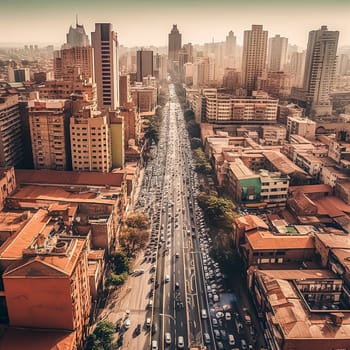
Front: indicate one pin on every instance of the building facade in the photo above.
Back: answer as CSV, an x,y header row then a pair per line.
x,y
11,144
91,144
277,53
144,60
254,56
49,132
320,65
106,63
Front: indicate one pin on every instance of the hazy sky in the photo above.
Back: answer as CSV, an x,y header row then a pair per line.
x,y
148,22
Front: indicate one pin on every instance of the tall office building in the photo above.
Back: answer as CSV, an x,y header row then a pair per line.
x,y
174,45
277,53
77,36
144,59
105,44
254,56
230,50
320,65
296,67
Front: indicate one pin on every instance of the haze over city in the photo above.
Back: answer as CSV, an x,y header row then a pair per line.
x,y
174,175
142,23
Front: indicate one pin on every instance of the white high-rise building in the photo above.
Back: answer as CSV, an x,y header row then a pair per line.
x,y
277,53
106,63
254,56
320,65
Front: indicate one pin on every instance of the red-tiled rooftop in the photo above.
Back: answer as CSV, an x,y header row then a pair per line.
x,y
251,222
331,206
31,339
68,177
265,240
321,188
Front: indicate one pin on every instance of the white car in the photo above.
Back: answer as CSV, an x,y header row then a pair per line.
x,y
127,323
180,342
167,338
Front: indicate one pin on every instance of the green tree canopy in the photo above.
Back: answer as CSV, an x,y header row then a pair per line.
x,y
196,142
102,337
193,129
120,263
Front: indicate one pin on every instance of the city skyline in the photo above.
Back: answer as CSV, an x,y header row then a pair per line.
x,y
199,22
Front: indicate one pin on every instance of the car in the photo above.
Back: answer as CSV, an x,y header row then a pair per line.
x,y
217,334
227,316
215,298
150,304
154,345
177,255
167,279
231,339
127,323
223,334
220,345
206,338
180,342
177,285
167,338
243,344
148,322
204,313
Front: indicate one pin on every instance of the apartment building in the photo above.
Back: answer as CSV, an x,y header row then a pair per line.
x,y
273,134
301,126
145,99
274,187
49,132
258,109
67,60
50,269
91,144
297,306
11,144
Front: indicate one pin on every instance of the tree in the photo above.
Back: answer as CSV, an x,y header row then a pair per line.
x,y
137,220
102,337
193,129
202,164
120,263
116,280
133,239
219,210
189,115
196,142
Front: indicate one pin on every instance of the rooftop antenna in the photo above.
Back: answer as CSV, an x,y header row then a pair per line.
x,y
76,20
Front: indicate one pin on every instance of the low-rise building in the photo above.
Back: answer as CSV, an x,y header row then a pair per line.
x,y
301,126
274,188
297,306
273,134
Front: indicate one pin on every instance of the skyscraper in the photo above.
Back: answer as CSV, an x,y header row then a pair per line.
x,y
174,45
320,65
77,36
230,50
144,59
105,44
277,53
254,56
